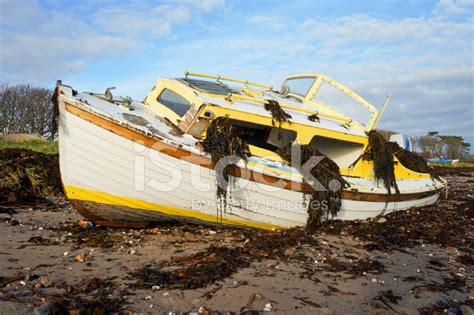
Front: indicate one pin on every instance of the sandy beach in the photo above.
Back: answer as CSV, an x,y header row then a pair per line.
x,y
409,262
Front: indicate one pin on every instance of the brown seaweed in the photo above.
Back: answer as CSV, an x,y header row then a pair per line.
x,y
448,223
380,152
222,141
313,118
325,201
218,262
201,269
409,159
279,116
28,175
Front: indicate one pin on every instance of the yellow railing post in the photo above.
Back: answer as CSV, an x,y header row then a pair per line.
x,y
376,122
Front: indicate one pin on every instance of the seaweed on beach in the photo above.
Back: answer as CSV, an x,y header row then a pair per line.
x,y
325,201
202,268
28,175
218,262
116,239
356,268
222,141
91,296
448,306
448,223
380,152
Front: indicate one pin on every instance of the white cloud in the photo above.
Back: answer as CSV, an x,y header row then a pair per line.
x,y
266,21
178,14
133,24
52,56
146,20
40,43
363,29
204,5
452,7
425,99
22,15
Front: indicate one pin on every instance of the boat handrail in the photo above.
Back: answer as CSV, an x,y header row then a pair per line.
x,y
218,78
311,112
377,119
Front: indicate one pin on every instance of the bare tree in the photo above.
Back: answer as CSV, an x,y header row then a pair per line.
x,y
26,109
431,144
455,147
436,145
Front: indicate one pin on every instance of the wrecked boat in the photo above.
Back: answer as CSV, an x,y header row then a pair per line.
x,y
130,163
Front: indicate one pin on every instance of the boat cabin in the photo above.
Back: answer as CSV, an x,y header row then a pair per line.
x,y
324,113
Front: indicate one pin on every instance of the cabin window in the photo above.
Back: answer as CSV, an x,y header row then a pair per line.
x,y
343,103
174,101
299,86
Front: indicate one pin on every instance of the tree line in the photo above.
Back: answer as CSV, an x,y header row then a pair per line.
x,y
435,145
26,109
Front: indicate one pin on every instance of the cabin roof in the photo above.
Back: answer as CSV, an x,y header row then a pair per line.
x,y
203,89
296,116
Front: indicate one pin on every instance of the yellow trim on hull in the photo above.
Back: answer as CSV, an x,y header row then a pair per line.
x,y
105,198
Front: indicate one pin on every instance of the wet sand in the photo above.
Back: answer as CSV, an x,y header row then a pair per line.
x,y
410,262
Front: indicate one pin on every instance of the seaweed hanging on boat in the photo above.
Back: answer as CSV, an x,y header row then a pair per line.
x,y
380,152
325,201
278,114
222,141
410,160
314,117
55,112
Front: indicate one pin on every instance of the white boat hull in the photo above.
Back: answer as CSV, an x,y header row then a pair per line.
x,y
113,179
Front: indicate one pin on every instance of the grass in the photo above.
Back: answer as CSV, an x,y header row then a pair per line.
x,y
43,146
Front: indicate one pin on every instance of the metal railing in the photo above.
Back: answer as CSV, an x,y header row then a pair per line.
x,y
218,78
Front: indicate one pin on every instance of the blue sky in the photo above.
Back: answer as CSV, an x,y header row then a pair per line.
x,y
419,51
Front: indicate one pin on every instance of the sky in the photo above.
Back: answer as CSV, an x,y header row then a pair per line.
x,y
419,51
